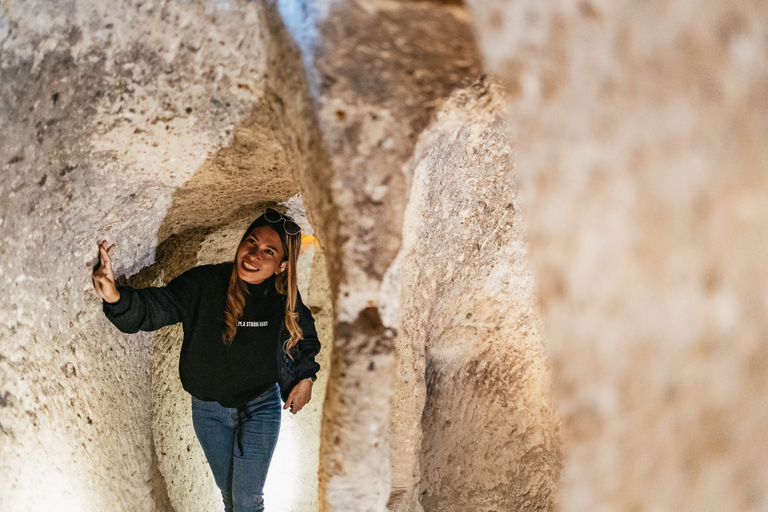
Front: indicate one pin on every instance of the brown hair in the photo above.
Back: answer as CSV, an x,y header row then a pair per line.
x,y
286,283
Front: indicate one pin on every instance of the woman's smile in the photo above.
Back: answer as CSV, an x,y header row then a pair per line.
x,y
260,255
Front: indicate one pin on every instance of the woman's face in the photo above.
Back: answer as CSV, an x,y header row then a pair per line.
x,y
260,256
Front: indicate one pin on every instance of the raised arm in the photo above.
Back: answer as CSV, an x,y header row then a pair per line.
x,y
147,309
103,277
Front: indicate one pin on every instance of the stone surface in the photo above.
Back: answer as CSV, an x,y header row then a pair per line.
x,y
378,70
641,137
470,352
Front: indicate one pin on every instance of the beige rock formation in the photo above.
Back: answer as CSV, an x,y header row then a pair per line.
x,y
379,69
473,420
160,125
642,155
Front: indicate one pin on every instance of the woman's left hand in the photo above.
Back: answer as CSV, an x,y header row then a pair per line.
x,y
300,395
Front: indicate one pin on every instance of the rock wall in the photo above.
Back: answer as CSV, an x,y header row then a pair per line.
x,y
378,70
641,138
473,378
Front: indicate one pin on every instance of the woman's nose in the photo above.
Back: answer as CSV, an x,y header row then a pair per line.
x,y
255,254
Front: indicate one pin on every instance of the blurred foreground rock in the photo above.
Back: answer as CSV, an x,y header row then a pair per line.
x,y
642,146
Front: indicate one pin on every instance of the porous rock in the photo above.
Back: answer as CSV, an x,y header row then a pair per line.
x,y
473,425
642,156
378,71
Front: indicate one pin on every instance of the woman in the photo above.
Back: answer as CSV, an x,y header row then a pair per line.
x,y
245,330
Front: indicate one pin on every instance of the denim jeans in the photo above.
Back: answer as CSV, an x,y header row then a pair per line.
x,y
239,475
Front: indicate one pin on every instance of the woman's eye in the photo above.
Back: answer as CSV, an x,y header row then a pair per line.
x,y
269,252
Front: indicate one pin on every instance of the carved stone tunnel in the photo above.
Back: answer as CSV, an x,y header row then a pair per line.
x,y
603,217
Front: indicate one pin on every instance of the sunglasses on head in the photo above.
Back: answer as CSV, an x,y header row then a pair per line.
x,y
275,216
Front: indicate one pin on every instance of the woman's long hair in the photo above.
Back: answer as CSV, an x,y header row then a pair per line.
x,y
285,282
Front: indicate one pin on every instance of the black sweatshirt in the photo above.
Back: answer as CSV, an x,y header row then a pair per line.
x,y
235,374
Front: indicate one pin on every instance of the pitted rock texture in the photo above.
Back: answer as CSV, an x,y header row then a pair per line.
x,y
641,137
378,69
470,349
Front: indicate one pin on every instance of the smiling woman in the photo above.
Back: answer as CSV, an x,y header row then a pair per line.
x,y
248,339
260,256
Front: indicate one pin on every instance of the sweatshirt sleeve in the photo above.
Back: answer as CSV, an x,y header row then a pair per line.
x,y
149,309
307,348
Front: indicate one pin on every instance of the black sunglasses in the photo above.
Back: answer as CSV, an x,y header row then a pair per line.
x,y
274,216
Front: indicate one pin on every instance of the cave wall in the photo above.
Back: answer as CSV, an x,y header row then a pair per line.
x,y
473,423
640,131
378,70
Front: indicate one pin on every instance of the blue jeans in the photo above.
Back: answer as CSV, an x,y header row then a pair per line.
x,y
238,443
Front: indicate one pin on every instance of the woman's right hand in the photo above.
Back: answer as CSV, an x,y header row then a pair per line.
x,y
103,278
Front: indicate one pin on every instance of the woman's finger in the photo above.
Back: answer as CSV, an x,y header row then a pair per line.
x,y
105,256
289,402
103,252
293,403
103,276
98,263
299,396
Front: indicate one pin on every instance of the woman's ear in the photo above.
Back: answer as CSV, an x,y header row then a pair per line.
x,y
282,267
